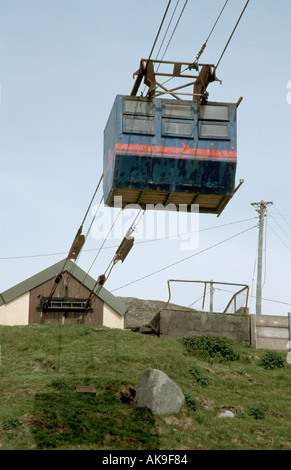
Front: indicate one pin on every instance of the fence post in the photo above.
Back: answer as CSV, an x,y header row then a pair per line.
x,y
289,316
211,296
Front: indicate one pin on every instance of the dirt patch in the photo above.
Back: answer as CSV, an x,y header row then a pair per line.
x,y
126,393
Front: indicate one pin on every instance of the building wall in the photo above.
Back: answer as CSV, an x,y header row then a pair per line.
x,y
25,309
16,312
71,287
112,319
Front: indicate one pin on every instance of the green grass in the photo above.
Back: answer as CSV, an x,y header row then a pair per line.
x,y
41,366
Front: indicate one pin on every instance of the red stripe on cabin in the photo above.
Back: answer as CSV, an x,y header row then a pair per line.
x,y
176,152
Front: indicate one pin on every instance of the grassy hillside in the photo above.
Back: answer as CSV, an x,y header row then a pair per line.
x,y
41,366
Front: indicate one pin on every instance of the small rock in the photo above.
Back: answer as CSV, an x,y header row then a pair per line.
x,y
226,414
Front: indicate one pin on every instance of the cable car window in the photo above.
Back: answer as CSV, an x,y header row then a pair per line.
x,y
178,110
177,128
139,107
215,131
214,113
136,124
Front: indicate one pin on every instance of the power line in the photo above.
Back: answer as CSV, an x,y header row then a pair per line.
x,y
9,258
288,248
276,301
286,234
184,259
282,216
253,296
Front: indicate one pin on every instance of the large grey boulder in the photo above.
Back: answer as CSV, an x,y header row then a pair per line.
x,y
158,393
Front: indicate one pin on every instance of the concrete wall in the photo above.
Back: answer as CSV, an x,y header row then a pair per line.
x,y
111,318
16,312
261,332
179,323
270,332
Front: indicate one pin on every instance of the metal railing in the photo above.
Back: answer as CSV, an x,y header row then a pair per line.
x,y
211,296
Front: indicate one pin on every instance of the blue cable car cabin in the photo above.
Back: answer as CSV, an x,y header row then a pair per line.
x,y
163,151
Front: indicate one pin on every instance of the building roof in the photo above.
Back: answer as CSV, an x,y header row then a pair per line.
x,y
51,272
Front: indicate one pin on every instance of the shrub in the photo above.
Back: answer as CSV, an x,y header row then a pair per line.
x,y
271,360
11,423
208,347
258,412
190,402
199,376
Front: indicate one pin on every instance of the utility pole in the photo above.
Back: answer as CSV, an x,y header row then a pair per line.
x,y
261,209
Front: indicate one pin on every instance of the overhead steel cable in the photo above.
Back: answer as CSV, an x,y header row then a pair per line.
x,y
103,278
203,46
170,22
76,247
93,197
175,28
210,34
184,259
79,233
86,236
231,36
100,249
157,36
159,31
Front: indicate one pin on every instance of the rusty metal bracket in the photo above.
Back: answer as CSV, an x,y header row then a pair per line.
x,y
203,76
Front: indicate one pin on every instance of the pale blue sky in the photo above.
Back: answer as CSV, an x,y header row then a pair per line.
x,y
62,62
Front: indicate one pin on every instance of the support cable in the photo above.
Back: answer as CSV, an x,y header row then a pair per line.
x,y
76,247
177,23
86,236
210,34
202,48
170,22
231,36
104,277
157,36
101,247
